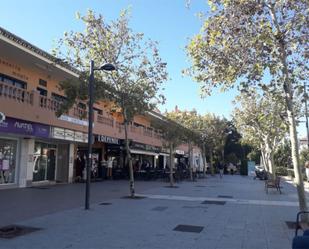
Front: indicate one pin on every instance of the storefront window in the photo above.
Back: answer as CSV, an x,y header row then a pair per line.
x,y
44,162
7,160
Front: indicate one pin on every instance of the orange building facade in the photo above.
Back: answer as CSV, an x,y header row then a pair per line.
x,y
36,146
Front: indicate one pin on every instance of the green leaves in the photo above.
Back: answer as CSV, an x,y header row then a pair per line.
x,y
140,69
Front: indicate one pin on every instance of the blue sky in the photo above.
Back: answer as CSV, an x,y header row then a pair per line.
x,y
167,21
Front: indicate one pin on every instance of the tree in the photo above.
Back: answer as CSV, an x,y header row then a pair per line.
x,y
242,41
192,121
258,118
133,88
173,135
214,136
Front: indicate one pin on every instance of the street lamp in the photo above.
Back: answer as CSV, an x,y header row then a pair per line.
x,y
105,67
306,114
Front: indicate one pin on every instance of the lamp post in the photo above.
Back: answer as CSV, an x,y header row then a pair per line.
x,y
306,113
105,67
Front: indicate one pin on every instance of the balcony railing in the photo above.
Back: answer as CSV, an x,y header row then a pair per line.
x,y
49,104
147,132
18,94
35,100
104,120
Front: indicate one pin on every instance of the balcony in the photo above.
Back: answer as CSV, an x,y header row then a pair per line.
x,y
30,105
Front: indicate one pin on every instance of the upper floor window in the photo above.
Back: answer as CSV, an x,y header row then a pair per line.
x,y
12,81
100,112
58,97
42,91
42,82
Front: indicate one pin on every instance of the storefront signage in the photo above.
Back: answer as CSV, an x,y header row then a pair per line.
x,y
22,127
2,117
69,135
73,120
146,147
106,139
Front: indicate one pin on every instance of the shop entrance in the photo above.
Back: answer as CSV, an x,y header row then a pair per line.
x,y
44,162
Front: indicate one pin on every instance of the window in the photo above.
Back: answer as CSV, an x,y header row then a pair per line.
x,y
58,97
42,82
100,112
12,81
138,125
42,91
7,160
82,106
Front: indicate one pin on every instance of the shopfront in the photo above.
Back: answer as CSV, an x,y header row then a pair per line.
x,y
144,154
15,157
65,144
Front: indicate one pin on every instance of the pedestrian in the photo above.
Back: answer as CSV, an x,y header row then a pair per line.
x,y
221,167
307,170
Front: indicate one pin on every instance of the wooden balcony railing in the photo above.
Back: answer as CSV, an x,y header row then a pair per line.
x,y
18,94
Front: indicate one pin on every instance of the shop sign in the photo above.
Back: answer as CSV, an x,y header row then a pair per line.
x,y
79,136
106,139
73,120
146,147
2,117
69,135
58,133
22,127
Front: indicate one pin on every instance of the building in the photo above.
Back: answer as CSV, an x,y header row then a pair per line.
x,y
36,146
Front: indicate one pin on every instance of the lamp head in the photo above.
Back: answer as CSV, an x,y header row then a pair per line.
x,y
108,67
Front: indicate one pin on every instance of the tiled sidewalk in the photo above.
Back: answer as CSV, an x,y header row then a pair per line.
x,y
237,214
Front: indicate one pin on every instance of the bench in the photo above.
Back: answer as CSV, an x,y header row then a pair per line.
x,y
273,183
301,242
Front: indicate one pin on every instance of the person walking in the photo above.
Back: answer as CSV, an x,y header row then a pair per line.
x,y
307,170
221,167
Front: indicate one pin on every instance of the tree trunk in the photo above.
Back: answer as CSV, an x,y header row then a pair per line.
x,y
128,154
264,160
171,164
270,160
288,91
212,171
204,160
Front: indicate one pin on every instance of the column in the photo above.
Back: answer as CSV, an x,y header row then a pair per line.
x,y
26,162
71,162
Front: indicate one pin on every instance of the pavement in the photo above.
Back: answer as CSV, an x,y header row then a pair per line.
x,y
232,212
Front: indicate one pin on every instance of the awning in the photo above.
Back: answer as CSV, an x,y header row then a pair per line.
x,y
143,152
164,154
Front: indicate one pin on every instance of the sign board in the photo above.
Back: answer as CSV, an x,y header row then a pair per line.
x,y
146,147
23,127
251,168
73,120
68,135
107,139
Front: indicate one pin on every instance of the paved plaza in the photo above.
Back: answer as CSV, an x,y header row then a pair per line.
x,y
233,212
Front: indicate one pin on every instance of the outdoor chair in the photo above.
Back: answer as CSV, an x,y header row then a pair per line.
x,y
273,183
301,242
